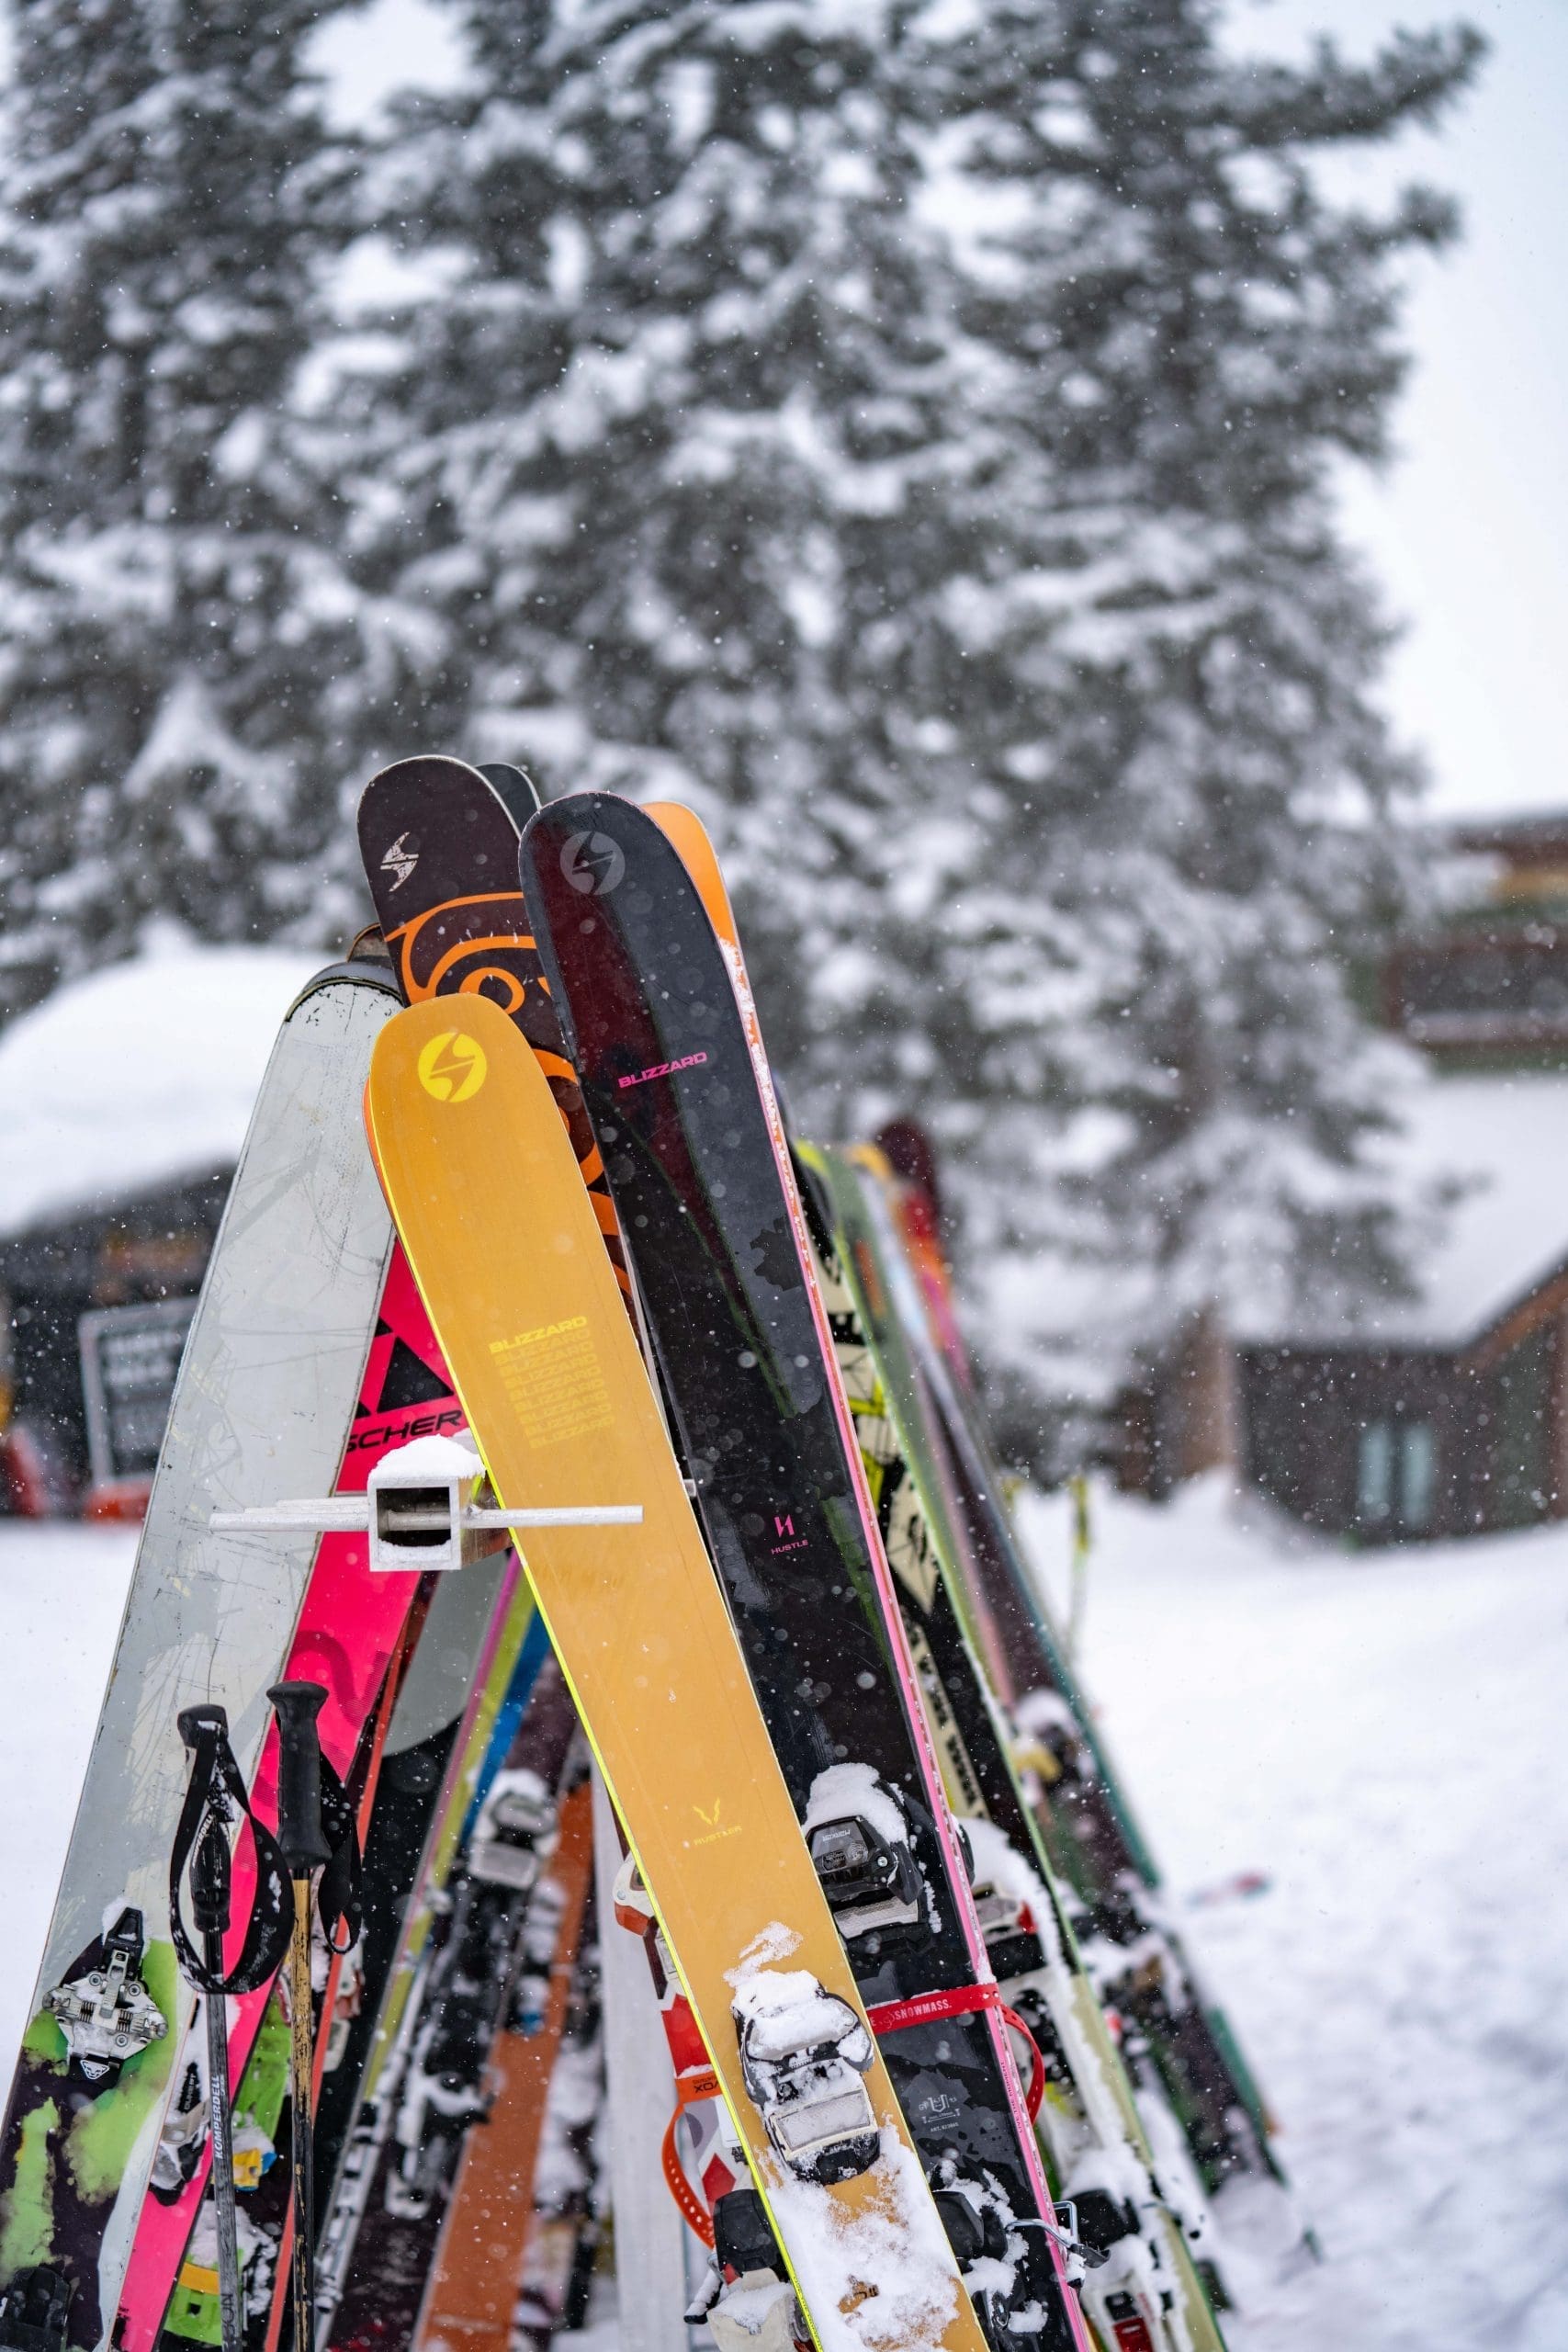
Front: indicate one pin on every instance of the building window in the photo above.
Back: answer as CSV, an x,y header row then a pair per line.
x,y
1396,1477
1418,1474
1374,1477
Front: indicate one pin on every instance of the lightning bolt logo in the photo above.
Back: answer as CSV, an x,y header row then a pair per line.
x,y
709,1819
592,864
452,1067
401,861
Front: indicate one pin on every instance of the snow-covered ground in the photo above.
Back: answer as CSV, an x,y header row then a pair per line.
x,y
1386,1735
1382,1735
61,1593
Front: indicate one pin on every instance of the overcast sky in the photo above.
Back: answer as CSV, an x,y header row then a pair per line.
x,y
1469,530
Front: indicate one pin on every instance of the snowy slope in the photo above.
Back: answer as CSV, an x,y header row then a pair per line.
x,y
1381,1736
139,1075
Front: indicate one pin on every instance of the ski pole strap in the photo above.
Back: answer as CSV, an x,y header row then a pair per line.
x,y
925,2008
339,1896
690,2091
216,1785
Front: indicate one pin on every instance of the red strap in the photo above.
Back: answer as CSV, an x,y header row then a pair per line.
x,y
690,2091
924,2009
1035,2096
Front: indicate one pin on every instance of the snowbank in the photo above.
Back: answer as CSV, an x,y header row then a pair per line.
x,y
61,1595
137,1076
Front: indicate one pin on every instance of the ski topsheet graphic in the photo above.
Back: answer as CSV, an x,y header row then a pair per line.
x,y
266,1391
510,1258
439,842
680,1099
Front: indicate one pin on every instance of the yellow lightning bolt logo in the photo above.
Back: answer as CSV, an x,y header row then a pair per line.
x,y
452,1067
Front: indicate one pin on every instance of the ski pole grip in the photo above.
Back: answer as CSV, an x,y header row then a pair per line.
x,y
210,1879
300,1831
193,1721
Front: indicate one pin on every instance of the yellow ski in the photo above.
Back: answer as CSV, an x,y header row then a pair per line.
x,y
485,1191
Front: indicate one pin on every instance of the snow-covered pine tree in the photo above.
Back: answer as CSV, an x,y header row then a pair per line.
x,y
684,388
908,433
1185,807
169,601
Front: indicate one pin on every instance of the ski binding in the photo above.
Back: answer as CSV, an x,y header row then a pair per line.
x,y
510,1839
802,2053
109,2014
34,2308
858,1838
746,2298
428,1505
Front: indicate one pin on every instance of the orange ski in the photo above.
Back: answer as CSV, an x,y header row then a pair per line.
x,y
474,2280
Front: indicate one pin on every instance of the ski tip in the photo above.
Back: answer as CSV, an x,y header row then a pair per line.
x,y
516,787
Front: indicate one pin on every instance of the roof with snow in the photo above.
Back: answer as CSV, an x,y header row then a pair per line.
x,y
141,1075
1504,1137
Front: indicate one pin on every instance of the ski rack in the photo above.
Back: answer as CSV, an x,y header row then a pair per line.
x,y
437,1512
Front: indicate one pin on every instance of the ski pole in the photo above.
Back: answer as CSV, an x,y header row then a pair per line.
x,y
1078,1488
305,1851
210,1875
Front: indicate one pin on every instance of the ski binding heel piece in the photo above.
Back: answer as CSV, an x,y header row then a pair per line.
x,y
858,1836
755,2313
747,2300
512,1839
109,2016
803,2053
428,1505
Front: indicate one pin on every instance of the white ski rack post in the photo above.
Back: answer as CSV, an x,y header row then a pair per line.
x,y
428,1505
654,2278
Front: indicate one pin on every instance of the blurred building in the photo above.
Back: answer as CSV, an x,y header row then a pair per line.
x,y
128,1095
1447,1413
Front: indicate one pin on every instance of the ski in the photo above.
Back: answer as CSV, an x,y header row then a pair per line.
x,y
439,844
471,1683
271,1373
651,2282
679,1097
475,2279
527,1308
1101,2163
1095,1844
433,2093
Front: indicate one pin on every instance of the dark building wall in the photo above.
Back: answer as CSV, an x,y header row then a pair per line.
x,y
154,1247
1382,1445
1411,1444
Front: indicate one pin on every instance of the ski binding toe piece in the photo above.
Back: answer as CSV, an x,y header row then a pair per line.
x,y
109,2014
803,2053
